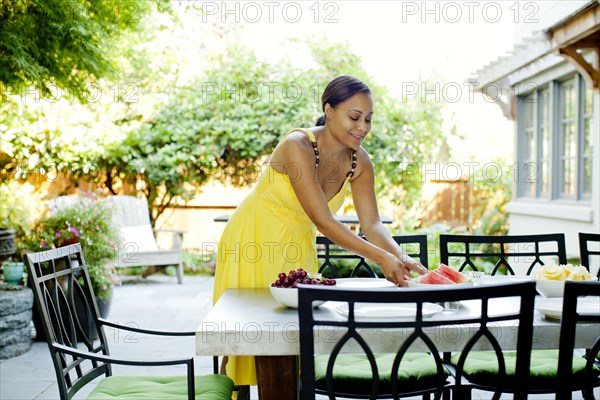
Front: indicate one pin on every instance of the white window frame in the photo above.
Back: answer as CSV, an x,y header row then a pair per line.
x,y
528,174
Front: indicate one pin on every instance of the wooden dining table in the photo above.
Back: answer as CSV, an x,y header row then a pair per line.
x,y
252,322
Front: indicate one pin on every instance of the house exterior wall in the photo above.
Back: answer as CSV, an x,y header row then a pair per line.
x,y
528,216
533,67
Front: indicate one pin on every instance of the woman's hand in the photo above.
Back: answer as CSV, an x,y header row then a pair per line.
x,y
398,270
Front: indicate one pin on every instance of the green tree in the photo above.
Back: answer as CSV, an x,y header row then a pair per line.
x,y
63,44
404,135
219,126
222,124
217,122
492,188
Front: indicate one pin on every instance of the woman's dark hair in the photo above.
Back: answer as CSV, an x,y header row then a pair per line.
x,y
339,90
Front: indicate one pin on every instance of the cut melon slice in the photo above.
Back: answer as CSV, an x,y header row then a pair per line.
x,y
434,277
452,274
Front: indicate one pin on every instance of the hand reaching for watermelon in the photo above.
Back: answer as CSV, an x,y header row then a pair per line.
x,y
399,270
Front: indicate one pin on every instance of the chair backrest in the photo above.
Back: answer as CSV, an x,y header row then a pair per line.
x,y
587,250
67,307
129,211
331,333
575,293
330,254
131,217
511,252
61,202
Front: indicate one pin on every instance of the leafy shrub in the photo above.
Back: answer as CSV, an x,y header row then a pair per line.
x,y
19,207
87,222
345,266
488,214
199,263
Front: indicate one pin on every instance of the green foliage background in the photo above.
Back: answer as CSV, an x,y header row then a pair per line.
x,y
167,128
62,44
87,222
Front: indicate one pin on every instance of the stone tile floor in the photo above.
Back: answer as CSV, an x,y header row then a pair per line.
x,y
156,302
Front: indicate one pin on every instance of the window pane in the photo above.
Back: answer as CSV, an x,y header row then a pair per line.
x,y
587,145
568,144
544,144
589,98
528,173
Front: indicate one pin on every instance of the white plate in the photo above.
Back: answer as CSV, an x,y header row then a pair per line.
x,y
363,283
412,283
395,312
552,307
500,279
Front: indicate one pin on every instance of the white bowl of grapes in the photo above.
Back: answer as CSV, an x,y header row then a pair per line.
x,y
285,287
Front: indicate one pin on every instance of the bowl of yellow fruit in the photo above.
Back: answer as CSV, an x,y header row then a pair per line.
x,y
550,279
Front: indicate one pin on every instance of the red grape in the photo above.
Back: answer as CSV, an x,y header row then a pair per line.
x,y
300,276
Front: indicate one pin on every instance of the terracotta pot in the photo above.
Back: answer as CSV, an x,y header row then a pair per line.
x,y
67,242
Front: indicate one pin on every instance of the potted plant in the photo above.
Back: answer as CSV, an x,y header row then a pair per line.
x,y
18,207
88,222
13,272
19,203
15,216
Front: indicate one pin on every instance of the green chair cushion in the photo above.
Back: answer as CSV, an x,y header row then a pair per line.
x,y
209,387
482,367
352,372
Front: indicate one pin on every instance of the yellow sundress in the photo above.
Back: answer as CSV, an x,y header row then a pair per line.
x,y
268,233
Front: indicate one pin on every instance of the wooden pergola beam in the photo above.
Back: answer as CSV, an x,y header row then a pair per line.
x,y
581,32
590,73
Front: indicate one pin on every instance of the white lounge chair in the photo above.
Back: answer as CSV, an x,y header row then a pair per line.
x,y
138,246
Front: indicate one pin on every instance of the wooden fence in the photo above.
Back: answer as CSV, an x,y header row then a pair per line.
x,y
449,202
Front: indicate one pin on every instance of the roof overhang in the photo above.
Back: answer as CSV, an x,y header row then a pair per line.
x,y
567,39
580,32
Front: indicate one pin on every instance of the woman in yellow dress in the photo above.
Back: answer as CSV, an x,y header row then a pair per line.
x,y
274,229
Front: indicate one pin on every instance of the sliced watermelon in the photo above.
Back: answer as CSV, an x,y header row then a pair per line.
x,y
434,277
452,274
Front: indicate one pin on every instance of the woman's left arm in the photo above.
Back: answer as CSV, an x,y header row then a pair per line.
x,y
365,203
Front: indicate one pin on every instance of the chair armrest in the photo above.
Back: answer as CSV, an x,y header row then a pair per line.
x,y
188,362
111,360
173,231
177,237
144,331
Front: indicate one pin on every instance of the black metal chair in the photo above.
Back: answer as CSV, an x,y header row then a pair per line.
x,y
585,249
78,345
329,253
474,251
559,371
415,366
566,382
